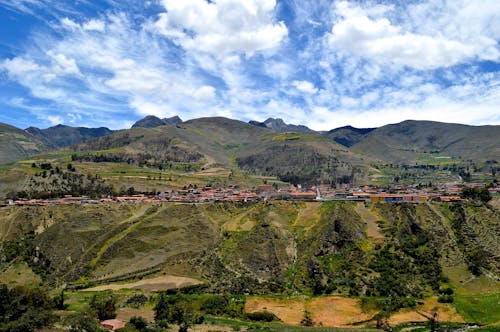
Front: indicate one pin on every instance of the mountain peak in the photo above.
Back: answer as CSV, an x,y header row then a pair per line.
x,y
151,121
279,125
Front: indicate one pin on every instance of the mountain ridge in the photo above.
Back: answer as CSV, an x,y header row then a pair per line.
x,y
280,125
61,135
151,121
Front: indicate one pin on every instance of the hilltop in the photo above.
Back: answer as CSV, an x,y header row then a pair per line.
x,y
61,135
16,144
415,141
280,125
152,121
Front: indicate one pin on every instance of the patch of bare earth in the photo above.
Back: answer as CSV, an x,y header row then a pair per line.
x,y
290,311
333,311
336,311
125,314
153,284
445,313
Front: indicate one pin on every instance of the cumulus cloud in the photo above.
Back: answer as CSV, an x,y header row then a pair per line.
x,y
94,25
222,27
332,63
305,86
376,38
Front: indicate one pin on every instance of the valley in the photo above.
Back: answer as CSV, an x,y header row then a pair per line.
x,y
253,226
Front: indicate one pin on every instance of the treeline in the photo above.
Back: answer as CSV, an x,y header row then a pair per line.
x,y
24,309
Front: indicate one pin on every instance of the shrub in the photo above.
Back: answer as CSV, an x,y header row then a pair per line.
x,y
445,299
215,305
261,316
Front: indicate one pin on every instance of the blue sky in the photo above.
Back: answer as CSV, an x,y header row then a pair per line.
x,y
320,63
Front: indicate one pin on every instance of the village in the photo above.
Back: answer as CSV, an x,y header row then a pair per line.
x,y
265,192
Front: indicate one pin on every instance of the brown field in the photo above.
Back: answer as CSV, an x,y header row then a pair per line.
x,y
125,314
336,311
154,284
290,311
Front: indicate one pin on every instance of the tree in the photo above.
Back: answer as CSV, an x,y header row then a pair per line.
x,y
59,301
104,306
176,310
25,309
139,323
162,308
82,322
184,316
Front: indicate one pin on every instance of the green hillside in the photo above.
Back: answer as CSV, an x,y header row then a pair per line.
x,y
221,142
418,141
16,144
264,247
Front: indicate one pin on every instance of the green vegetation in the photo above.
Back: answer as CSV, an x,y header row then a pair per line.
x,y
25,309
481,308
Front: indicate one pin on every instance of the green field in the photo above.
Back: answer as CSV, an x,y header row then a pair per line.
x,y
480,309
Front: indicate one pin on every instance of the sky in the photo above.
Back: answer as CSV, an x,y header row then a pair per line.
x,y
323,64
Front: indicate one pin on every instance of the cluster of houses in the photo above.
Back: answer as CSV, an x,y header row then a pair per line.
x,y
264,192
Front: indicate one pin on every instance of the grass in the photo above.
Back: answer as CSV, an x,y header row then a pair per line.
x,y
480,309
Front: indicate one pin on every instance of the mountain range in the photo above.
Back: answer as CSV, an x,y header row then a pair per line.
x,y
402,143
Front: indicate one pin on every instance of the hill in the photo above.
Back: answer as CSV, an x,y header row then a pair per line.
x,y
16,144
265,247
152,121
413,141
232,144
348,136
61,135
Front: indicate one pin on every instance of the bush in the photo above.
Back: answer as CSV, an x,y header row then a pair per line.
x,y
445,299
262,316
140,323
82,322
25,309
136,301
104,306
215,305
307,320
446,291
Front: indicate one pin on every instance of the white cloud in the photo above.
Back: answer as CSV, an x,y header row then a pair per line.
x,y
69,24
63,65
379,40
204,93
305,86
222,27
54,119
18,67
94,25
